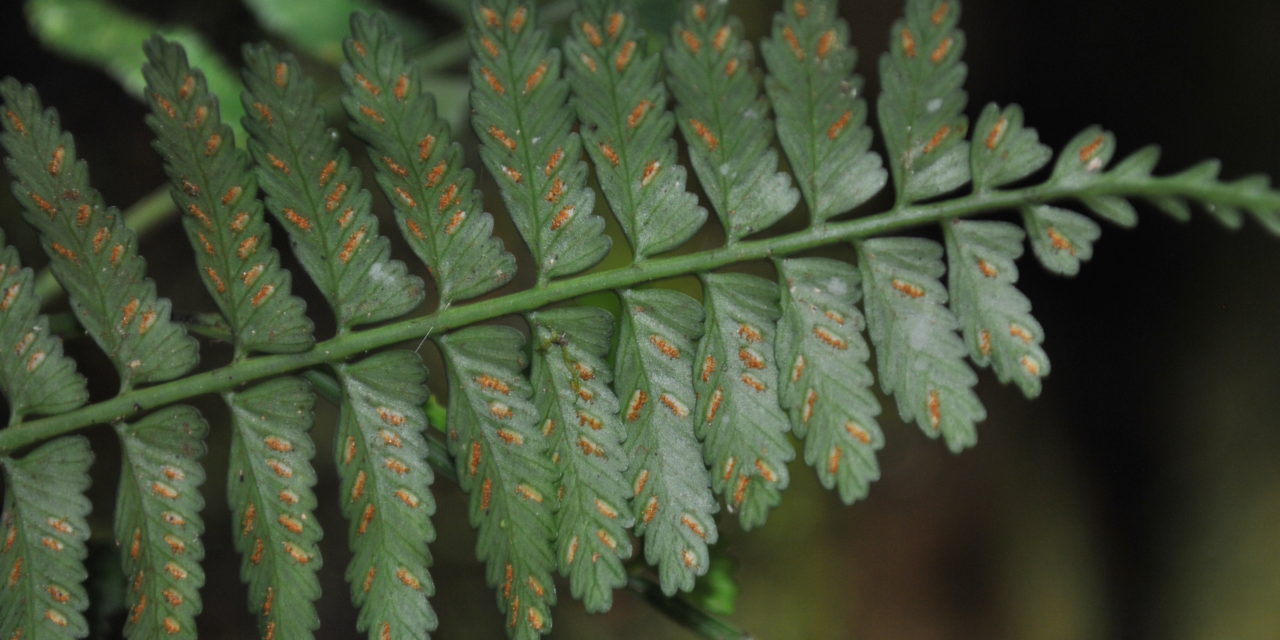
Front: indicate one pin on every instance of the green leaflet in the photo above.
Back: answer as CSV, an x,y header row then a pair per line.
x,y
91,251
212,184
921,106
504,463
386,493
269,481
578,410
919,356
725,121
1060,238
314,192
157,522
995,317
620,98
37,378
44,530
825,381
420,168
653,372
738,418
527,138
822,118
1003,150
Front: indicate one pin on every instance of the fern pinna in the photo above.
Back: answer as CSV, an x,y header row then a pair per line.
x,y
598,436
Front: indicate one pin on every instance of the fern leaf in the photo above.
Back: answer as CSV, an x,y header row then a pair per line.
x,y
921,106
91,251
37,377
578,409
671,496
619,95
995,317
157,521
725,121
269,482
1060,238
1004,151
738,417
212,184
386,493
45,527
314,192
504,464
920,358
528,143
825,381
420,168
822,117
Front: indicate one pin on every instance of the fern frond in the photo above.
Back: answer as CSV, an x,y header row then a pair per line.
x,y
504,463
42,554
822,117
269,481
619,95
420,168
213,185
38,378
825,381
157,521
738,418
578,410
919,355
725,120
315,194
1060,238
386,493
921,106
995,317
527,138
1003,150
653,373
91,251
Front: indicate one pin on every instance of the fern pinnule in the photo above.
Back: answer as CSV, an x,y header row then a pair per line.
x,y
212,184
157,521
42,541
579,414
386,493
91,251
1060,238
825,383
821,115
315,194
995,317
653,375
738,417
527,138
419,166
269,490
504,464
725,120
1004,150
919,356
39,378
921,105
621,101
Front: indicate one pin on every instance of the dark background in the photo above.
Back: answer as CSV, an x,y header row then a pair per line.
x,y
1138,497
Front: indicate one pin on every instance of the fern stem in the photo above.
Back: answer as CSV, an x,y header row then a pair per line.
x,y
684,612
895,220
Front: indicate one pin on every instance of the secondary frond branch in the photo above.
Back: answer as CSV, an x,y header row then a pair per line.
x,y
899,218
